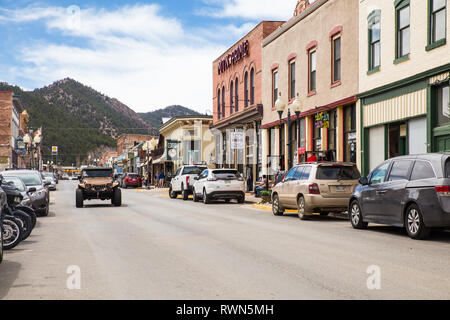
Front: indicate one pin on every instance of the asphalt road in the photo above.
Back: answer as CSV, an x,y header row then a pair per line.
x,y
157,248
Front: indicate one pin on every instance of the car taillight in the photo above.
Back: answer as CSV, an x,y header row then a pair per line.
x,y
187,181
443,191
314,188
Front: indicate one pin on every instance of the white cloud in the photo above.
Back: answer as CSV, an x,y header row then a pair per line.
x,y
132,53
250,9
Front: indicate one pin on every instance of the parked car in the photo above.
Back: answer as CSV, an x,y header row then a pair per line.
x,y
36,187
412,192
316,188
48,176
131,180
183,180
65,176
215,184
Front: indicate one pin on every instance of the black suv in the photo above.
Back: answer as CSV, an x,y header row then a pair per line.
x,y
409,191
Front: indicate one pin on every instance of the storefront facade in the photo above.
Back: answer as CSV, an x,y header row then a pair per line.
x,y
404,79
237,101
319,69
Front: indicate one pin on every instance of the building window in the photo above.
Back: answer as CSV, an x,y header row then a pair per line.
x,y
246,90
443,105
274,86
223,102
332,133
336,60
218,103
236,94
350,134
403,29
292,80
312,70
231,97
437,21
252,87
374,41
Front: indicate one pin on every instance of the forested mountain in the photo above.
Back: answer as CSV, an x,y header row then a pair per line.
x,y
154,118
79,120
73,136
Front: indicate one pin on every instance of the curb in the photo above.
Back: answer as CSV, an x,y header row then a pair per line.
x,y
267,208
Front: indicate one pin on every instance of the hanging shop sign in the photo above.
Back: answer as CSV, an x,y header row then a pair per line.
x,y
322,120
238,54
237,140
172,150
55,150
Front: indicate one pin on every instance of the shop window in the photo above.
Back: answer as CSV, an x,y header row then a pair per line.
x,y
397,138
236,94
374,41
403,30
303,133
437,23
252,87
292,80
274,87
350,134
336,69
317,136
312,70
443,105
332,134
246,90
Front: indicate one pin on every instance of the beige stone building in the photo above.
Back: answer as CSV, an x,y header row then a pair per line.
x,y
313,56
404,68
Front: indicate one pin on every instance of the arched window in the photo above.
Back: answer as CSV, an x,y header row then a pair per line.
x,y
223,102
236,94
218,103
246,90
252,87
231,96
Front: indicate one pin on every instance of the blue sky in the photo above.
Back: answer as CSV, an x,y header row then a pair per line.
x,y
148,54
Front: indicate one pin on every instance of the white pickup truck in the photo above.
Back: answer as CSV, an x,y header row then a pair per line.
x,y
183,180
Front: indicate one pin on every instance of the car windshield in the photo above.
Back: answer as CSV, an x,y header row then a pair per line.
x,y
226,174
97,173
18,184
47,174
194,170
30,179
133,176
337,173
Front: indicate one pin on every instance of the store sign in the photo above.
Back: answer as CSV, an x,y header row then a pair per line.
x,y
55,149
322,120
172,150
242,51
237,140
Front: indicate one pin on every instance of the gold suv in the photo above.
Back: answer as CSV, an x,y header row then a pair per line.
x,y
316,188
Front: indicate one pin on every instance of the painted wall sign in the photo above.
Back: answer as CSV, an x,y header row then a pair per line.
x,y
322,120
241,51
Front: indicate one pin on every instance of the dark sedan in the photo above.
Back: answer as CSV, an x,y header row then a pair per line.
x,y
36,187
410,191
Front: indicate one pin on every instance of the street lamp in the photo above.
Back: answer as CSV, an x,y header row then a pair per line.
x,y
280,105
297,107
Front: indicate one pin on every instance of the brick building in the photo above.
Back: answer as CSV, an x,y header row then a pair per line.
x,y
10,115
126,142
237,101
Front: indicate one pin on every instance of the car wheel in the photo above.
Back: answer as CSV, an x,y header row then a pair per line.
x,y
206,199
196,199
79,198
415,227
301,208
227,200
117,197
184,193
46,210
356,217
241,199
172,194
276,206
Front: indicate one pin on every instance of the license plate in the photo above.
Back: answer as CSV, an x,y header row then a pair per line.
x,y
227,182
341,188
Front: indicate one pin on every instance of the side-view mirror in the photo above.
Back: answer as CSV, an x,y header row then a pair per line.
x,y
32,190
47,183
364,181
196,178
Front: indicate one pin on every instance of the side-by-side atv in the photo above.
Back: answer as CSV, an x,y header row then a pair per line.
x,y
98,184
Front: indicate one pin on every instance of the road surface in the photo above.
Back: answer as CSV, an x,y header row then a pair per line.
x,y
157,248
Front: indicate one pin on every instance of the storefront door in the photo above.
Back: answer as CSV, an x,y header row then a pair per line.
x,y
443,143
